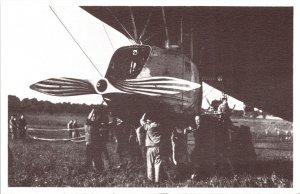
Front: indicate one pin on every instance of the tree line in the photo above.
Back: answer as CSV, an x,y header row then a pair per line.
x,y
40,106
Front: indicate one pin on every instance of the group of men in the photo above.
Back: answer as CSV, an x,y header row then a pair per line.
x,y
148,135
17,129
190,146
187,148
184,147
187,144
73,128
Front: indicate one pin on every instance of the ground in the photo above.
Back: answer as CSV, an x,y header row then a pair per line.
x,y
52,164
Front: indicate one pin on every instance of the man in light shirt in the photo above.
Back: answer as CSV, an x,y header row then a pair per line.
x,y
153,143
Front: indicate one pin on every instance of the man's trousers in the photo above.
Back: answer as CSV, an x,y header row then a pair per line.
x,y
153,163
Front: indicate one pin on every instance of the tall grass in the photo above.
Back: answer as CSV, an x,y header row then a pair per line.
x,y
61,164
38,163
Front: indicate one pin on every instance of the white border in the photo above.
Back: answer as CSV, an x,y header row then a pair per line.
x,y
296,189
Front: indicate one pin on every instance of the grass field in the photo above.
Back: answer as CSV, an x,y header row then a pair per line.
x,y
52,164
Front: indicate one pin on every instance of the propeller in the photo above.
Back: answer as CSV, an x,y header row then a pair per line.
x,y
156,86
64,87
152,86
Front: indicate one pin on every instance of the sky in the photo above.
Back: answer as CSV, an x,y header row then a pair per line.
x,y
36,46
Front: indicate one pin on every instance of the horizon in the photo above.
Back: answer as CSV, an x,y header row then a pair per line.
x,y
209,92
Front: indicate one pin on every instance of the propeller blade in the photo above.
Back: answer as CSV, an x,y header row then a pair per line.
x,y
156,86
64,87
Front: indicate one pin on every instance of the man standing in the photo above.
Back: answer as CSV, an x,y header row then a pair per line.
x,y
95,141
70,128
75,128
13,127
122,144
223,137
153,141
193,144
203,155
141,137
179,151
225,112
22,126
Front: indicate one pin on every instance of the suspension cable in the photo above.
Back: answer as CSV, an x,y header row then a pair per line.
x,y
120,24
75,40
108,37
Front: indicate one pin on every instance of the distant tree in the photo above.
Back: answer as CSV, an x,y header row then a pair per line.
x,y
36,106
25,105
48,107
14,103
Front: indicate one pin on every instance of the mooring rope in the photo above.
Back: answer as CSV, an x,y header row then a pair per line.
x,y
51,130
49,139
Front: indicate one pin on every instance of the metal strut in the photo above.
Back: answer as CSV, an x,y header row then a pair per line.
x,y
134,26
146,25
165,23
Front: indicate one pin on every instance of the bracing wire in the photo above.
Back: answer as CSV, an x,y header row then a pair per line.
x,y
75,40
